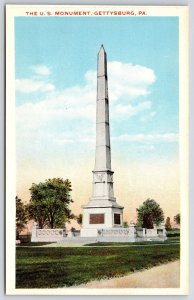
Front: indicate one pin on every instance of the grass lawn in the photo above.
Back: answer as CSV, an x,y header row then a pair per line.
x,y
170,240
58,267
173,232
33,244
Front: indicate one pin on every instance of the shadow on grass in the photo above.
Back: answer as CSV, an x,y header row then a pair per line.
x,y
59,267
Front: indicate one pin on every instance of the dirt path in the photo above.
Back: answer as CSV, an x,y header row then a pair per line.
x,y
163,276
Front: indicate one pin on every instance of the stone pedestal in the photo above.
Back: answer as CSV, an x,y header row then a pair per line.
x,y
34,230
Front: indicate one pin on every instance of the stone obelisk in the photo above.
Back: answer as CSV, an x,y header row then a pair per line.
x,y
102,174
102,211
103,154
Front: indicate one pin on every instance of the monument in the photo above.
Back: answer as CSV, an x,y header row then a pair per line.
x,y
102,216
102,211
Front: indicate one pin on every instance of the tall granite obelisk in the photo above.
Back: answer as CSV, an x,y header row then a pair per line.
x,y
102,211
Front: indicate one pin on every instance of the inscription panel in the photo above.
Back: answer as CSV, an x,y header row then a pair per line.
x,y
96,218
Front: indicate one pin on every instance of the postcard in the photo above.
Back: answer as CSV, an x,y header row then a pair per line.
x,y
96,150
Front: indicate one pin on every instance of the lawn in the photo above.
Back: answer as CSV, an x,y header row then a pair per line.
x,y
170,240
38,267
34,244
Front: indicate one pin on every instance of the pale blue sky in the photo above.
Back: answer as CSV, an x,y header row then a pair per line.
x,y
55,80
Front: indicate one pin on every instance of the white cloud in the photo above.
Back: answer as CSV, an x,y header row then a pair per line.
x,y
62,141
146,141
147,147
78,104
41,70
84,139
134,74
148,138
129,80
32,85
125,80
127,111
148,116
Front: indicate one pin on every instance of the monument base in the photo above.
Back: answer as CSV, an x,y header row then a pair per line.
x,y
110,234
100,215
89,232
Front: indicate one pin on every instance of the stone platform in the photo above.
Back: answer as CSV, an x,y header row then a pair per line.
x,y
91,240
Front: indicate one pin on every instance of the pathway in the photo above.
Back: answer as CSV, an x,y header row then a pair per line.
x,y
163,276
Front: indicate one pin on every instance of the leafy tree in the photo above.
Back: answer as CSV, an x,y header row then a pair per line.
x,y
177,219
80,219
37,211
49,203
168,224
21,216
149,214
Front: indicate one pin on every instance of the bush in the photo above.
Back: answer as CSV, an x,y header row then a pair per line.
x,y
25,238
173,232
169,234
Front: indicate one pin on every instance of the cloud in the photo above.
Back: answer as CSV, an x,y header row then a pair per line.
x,y
127,111
147,147
32,85
126,80
74,109
148,138
129,80
84,139
148,116
41,70
35,84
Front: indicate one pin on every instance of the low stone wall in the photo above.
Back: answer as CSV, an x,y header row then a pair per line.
x,y
151,233
140,232
48,235
119,232
131,234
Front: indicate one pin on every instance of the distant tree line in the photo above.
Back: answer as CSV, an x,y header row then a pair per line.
x,y
50,201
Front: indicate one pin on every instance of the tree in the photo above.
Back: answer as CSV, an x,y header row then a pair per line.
x,y
177,219
21,216
149,214
37,211
168,224
49,203
80,219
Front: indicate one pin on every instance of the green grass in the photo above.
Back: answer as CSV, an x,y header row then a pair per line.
x,y
173,232
170,240
33,244
59,267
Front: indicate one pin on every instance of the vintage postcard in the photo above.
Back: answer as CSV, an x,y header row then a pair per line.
x,y
96,150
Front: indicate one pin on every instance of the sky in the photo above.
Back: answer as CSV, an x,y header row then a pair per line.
x,y
55,63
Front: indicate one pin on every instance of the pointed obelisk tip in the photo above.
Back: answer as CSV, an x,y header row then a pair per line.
x,y
102,48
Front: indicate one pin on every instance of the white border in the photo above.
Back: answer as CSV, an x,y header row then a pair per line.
x,y
19,10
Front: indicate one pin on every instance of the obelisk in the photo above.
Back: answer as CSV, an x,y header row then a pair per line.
x,y
102,174
103,154
102,211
